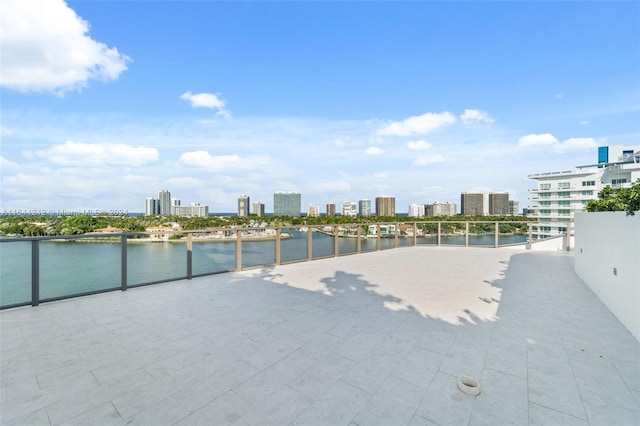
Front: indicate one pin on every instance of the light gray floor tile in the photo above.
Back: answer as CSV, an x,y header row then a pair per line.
x,y
337,406
503,396
226,410
544,416
105,414
600,413
444,403
394,403
279,408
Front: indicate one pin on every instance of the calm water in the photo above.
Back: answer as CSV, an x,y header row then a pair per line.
x,y
68,268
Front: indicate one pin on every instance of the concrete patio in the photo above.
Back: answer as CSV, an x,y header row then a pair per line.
x,y
377,338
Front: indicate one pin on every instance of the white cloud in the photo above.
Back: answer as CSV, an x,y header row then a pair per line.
x,y
418,125
374,150
584,122
82,154
537,140
475,117
207,100
45,48
559,95
6,164
221,163
184,182
418,145
423,160
324,187
576,144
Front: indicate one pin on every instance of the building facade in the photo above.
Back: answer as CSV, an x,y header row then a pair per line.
x,y
257,209
151,206
441,209
164,202
385,205
349,209
287,204
331,209
364,208
499,203
243,205
558,195
514,207
313,211
192,210
416,210
472,203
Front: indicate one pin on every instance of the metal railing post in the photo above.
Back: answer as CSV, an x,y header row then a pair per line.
x,y
439,232
496,238
189,255
123,263
466,234
530,237
238,250
379,238
35,273
278,245
336,245
568,247
309,244
415,234
359,240
396,231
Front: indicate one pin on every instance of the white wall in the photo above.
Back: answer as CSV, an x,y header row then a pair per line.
x,y
606,241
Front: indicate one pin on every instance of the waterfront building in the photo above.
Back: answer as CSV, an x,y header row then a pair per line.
x,y
313,211
331,209
192,210
514,207
472,203
257,209
499,203
287,204
441,209
385,205
164,200
349,209
416,210
559,195
364,208
243,205
152,206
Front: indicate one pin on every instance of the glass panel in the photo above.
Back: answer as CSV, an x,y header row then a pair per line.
x,y
294,245
156,261
209,257
323,244
256,253
69,267
427,233
15,273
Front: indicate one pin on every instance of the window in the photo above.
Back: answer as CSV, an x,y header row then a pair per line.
x,y
562,229
618,181
547,195
545,203
564,185
545,186
564,212
545,212
564,194
586,193
588,183
584,202
564,203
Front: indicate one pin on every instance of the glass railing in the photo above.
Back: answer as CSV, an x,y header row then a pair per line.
x,y
42,269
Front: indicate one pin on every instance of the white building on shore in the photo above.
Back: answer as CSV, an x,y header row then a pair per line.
x,y
559,195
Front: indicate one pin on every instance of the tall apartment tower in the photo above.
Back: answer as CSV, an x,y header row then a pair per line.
x,y
313,211
472,203
385,205
287,204
364,208
349,209
164,200
151,207
441,209
257,209
243,205
514,207
499,203
331,209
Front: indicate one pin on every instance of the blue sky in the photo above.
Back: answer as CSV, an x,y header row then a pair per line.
x,y
104,103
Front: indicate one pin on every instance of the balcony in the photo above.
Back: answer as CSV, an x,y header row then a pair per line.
x,y
379,337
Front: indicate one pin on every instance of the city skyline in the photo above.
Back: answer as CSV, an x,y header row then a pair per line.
x,y
339,101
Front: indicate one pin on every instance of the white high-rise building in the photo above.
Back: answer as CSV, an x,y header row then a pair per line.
x,y
151,207
441,209
364,208
313,211
164,200
243,205
416,210
257,208
559,195
349,209
192,210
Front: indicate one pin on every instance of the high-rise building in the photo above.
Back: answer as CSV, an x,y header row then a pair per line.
x,y
416,210
472,203
243,205
514,207
313,211
287,204
441,209
331,209
257,209
192,210
385,205
152,206
349,209
174,203
560,194
499,203
164,200
364,208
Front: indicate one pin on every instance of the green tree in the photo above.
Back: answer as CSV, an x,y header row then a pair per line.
x,y
612,200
